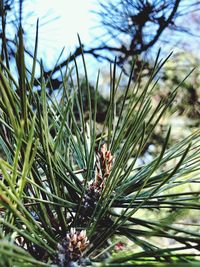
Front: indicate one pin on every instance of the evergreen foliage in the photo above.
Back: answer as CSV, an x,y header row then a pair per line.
x,y
69,197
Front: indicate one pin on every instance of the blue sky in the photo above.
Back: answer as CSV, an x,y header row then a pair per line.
x,y
60,21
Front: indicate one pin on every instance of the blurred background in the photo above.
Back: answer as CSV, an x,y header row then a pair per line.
x,y
120,31
115,30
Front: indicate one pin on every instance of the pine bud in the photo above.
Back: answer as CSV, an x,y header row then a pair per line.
x,y
72,247
104,162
